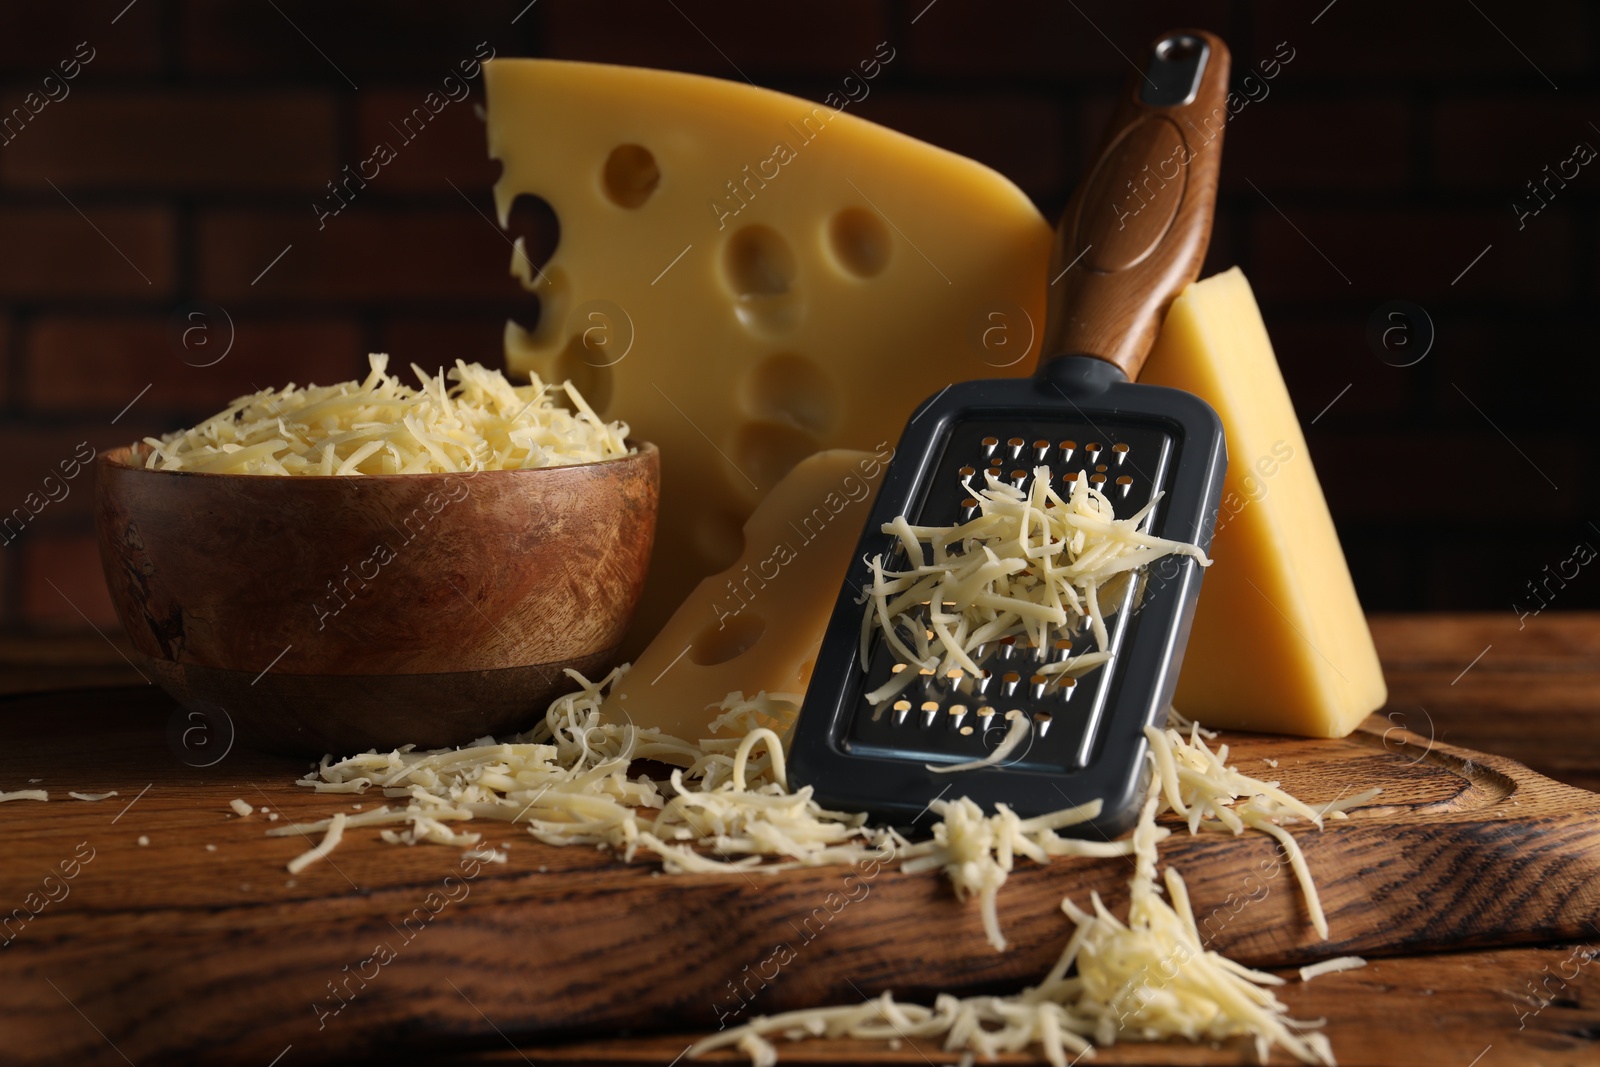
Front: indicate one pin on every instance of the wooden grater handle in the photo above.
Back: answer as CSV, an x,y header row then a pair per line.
x,y
1137,228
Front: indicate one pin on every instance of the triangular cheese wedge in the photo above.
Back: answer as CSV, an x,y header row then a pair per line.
x,y
747,278
1279,640
757,626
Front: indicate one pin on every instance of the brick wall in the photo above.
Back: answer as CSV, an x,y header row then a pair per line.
x,y
177,175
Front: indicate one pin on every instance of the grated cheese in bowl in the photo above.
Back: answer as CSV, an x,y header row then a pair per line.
x,y
467,419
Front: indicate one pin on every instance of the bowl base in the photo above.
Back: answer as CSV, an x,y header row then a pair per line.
x,y
342,714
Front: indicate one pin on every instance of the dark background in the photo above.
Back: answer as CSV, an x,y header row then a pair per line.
x,y
1386,158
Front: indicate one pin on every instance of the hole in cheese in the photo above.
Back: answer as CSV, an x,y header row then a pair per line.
x,y
759,262
586,371
554,291
718,537
724,639
630,175
859,241
532,219
792,389
766,451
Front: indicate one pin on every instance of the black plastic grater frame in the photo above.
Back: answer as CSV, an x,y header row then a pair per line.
x,y
1082,417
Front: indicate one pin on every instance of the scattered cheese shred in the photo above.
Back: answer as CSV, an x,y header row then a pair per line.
x,y
1147,979
24,794
726,804
976,852
329,842
92,796
240,808
469,419
1031,563
1198,785
1333,966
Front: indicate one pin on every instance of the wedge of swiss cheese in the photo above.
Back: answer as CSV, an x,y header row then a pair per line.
x,y
756,627
748,278
1279,640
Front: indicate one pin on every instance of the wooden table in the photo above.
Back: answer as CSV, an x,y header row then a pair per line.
x,y
1530,692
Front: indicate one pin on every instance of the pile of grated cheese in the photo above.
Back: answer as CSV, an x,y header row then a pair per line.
x,y
469,419
726,805
1146,978
1030,563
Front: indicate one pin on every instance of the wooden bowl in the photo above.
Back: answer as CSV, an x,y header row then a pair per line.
x,y
328,614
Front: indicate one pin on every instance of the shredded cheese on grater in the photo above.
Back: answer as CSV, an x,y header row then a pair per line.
x,y
469,419
1031,564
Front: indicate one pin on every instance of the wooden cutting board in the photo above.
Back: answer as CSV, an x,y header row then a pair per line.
x,y
175,951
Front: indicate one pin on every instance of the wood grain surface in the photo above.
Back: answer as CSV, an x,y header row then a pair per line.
x,y
174,952
382,610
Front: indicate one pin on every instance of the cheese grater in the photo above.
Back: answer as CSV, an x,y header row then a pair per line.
x,y
1133,236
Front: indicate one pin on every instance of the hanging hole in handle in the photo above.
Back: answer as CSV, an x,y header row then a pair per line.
x,y
1172,76
1179,49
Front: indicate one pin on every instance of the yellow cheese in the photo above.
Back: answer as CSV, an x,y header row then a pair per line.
x,y
1279,642
748,278
756,626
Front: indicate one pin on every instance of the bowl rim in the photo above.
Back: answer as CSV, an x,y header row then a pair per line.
x,y
117,458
